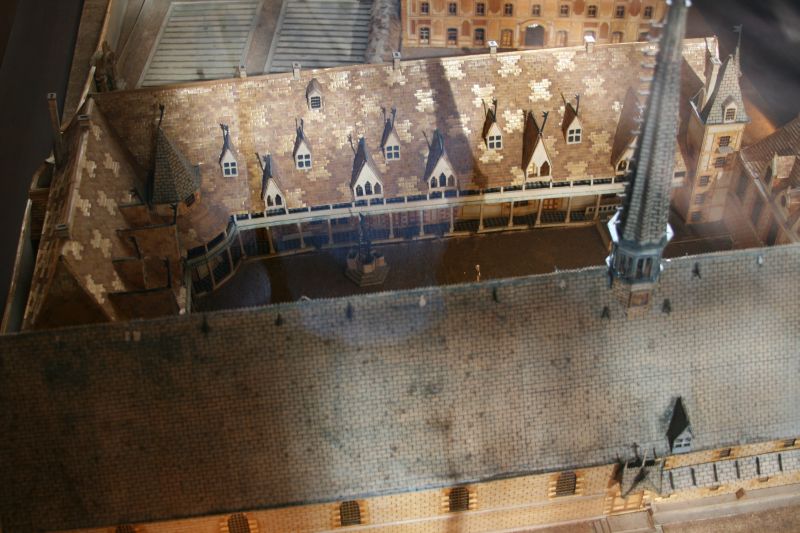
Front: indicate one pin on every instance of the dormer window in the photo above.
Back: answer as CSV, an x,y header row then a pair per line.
x,y
274,200
730,113
227,160
303,161
392,152
679,433
571,125
314,95
491,130
366,182
495,142
390,141
574,136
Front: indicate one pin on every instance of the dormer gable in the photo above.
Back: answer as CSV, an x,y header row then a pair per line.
x,y
227,157
571,126
390,140
492,134
536,161
439,172
302,149
627,134
271,189
679,433
365,181
314,95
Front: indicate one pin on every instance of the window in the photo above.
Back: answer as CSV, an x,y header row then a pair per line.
x,y
648,12
574,136
229,168
359,190
563,10
495,142
704,180
452,35
591,11
724,141
278,199
451,181
682,443
623,166
368,189
544,170
508,9
480,8
424,8
392,152
506,38
316,102
452,8
424,34
616,37
349,514
726,452
442,180
700,199
720,162
566,484
696,216
303,161
378,188
619,12
238,523
480,36
189,200
458,500
536,11
433,182
730,114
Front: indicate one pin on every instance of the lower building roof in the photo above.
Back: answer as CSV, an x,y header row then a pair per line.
x,y
333,399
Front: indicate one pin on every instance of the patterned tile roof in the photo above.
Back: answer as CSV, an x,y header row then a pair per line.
x,y
448,94
783,142
310,401
726,92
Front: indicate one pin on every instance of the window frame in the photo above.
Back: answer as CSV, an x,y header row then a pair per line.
x,y
302,161
730,114
720,162
724,141
392,152
315,99
480,8
230,169
482,40
619,11
648,12
704,180
536,10
574,135
563,10
494,142
425,8
452,32
508,10
507,38
426,30
591,11
452,8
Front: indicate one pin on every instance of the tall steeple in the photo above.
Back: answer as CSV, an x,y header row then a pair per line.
x,y
640,230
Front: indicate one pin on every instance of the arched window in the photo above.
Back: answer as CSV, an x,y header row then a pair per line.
x,y
238,523
269,201
623,165
349,513
451,181
433,182
368,188
544,170
377,188
458,499
442,180
278,199
359,191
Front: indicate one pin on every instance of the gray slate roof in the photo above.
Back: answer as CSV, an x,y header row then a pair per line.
x,y
199,414
174,179
785,141
646,212
727,90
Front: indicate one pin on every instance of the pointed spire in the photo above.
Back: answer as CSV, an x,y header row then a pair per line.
x,y
174,179
640,231
727,92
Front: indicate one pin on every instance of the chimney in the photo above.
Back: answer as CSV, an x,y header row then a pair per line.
x,y
712,72
396,60
55,124
241,71
589,41
295,70
493,47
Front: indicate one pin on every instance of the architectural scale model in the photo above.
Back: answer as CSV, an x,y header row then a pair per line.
x,y
630,396
527,23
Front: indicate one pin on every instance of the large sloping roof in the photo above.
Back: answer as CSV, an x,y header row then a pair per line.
x,y
332,399
439,93
785,141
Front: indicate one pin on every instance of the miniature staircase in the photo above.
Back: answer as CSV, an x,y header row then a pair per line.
x,y
320,33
